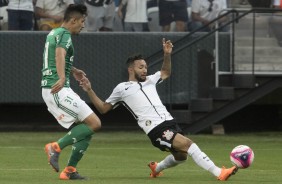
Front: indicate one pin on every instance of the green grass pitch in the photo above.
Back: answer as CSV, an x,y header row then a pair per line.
x,y
122,157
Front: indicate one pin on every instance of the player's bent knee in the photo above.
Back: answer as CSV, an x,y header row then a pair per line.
x,y
188,142
96,125
179,156
93,121
182,143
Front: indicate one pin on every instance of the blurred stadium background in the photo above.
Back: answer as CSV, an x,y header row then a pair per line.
x,y
103,57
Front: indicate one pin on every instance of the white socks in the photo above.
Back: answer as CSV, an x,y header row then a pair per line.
x,y
197,155
168,162
203,160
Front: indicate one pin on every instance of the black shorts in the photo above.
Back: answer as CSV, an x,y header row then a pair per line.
x,y
162,135
172,11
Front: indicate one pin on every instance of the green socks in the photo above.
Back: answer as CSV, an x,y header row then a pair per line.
x,y
75,135
78,150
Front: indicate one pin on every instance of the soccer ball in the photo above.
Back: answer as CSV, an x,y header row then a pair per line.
x,y
242,156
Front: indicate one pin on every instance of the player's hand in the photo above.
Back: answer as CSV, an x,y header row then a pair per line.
x,y
58,86
78,74
167,46
85,84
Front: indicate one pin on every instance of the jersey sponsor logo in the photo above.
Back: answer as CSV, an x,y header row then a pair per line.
x,y
127,88
148,122
47,72
168,134
43,82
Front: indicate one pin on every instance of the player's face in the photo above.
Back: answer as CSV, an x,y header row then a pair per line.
x,y
140,70
78,24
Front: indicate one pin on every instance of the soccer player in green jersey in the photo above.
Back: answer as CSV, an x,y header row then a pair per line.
x,y
62,102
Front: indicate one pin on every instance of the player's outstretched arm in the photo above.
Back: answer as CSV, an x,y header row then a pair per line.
x,y
166,67
77,73
100,105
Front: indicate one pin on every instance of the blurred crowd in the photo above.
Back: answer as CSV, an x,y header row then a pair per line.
x,y
117,15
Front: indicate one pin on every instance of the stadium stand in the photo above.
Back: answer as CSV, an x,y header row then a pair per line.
x,y
153,16
3,18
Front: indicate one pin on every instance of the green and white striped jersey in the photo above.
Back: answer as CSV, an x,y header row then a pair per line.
x,y
59,37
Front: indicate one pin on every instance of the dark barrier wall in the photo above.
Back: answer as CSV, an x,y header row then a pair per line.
x,y
102,56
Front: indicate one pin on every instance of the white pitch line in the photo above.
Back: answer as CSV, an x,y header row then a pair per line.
x,y
2,169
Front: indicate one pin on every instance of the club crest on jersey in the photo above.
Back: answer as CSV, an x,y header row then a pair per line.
x,y
148,122
168,134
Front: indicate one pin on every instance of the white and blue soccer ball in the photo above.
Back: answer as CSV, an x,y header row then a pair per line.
x,y
242,156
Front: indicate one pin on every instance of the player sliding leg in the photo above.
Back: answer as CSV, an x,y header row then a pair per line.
x,y
181,144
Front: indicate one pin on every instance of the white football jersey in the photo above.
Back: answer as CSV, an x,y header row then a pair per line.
x,y
142,100
201,7
276,2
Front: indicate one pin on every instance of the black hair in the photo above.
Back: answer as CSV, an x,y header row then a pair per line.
x,y
74,8
133,58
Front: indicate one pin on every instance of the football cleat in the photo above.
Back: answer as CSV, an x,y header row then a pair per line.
x,y
70,173
153,166
53,152
226,173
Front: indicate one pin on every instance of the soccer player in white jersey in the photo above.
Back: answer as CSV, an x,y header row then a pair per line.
x,y
140,97
62,102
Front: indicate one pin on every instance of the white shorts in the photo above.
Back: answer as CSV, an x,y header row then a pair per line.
x,y
98,17
66,106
